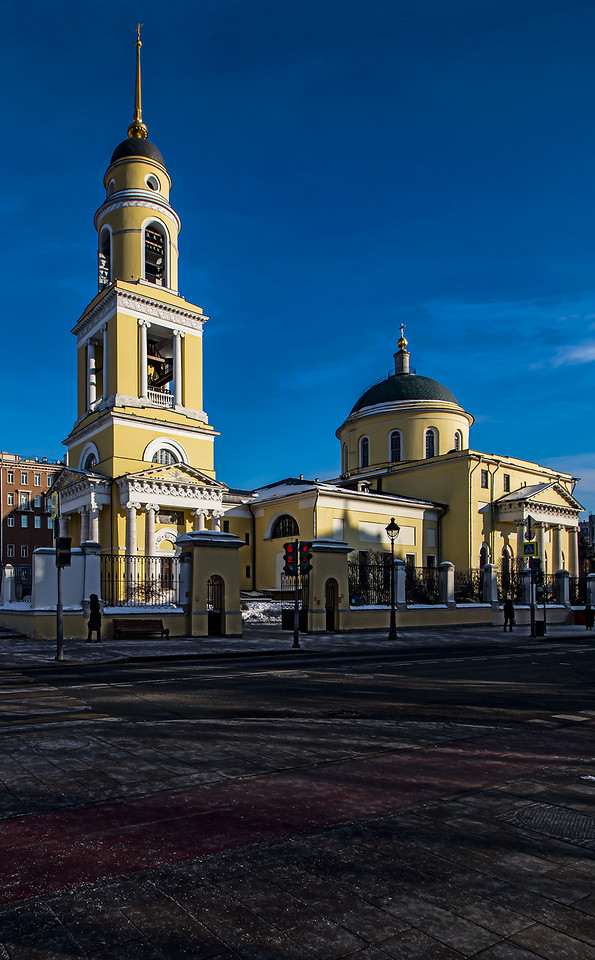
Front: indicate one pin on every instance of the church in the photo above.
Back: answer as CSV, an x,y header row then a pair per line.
x,y
140,469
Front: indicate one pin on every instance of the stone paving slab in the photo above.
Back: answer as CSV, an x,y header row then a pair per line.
x,y
16,652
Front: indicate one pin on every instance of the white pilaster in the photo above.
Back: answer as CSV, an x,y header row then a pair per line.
x,y
573,551
217,514
556,548
84,512
144,384
150,541
178,335
91,375
131,536
104,373
94,523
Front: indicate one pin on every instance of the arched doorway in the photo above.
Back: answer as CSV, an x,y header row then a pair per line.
x,y
331,604
215,606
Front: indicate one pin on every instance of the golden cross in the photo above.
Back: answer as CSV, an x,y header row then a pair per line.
x,y
138,32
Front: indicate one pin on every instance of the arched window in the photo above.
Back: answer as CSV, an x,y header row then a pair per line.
x,y
164,456
431,443
458,440
155,255
285,526
364,452
104,271
395,446
90,462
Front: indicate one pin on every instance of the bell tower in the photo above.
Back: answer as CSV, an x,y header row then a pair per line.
x,y
139,342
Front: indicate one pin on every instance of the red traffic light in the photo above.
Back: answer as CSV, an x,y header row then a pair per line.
x,y
305,556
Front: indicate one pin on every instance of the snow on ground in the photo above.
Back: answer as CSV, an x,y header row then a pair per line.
x,y
261,611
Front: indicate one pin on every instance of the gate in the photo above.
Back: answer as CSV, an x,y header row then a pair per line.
x,y
215,606
288,601
330,603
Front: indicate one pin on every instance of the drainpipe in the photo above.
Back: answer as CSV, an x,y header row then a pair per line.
x,y
492,513
314,518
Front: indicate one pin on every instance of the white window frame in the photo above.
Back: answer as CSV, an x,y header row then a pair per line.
x,y
37,479
154,222
10,499
362,441
24,551
165,443
399,434
10,476
10,521
458,440
10,550
430,432
23,476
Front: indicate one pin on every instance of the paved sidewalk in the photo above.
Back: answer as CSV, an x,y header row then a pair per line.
x,y
17,651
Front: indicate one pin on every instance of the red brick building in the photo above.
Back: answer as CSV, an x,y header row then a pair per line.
x,y
24,520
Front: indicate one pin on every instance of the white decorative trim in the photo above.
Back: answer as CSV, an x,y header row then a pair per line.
x,y
165,443
117,300
87,449
161,535
137,198
167,243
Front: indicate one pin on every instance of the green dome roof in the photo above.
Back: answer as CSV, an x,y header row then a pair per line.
x,y
402,387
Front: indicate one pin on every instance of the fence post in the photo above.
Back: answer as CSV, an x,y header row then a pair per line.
x,y
7,595
447,583
563,587
525,576
489,587
591,589
399,575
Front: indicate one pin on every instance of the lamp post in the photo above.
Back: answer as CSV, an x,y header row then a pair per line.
x,y
392,532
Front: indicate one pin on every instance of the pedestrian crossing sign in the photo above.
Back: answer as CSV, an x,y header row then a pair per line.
x,y
530,549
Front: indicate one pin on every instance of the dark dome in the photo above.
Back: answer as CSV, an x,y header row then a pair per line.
x,y
404,386
137,147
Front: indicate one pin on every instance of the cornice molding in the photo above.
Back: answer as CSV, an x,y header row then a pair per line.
x,y
140,305
137,198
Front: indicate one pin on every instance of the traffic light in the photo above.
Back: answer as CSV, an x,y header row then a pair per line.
x,y
536,571
63,545
290,557
305,557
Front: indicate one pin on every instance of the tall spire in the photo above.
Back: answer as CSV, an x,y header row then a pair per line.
x,y
402,355
137,128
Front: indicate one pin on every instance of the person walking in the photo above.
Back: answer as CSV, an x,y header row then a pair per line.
x,y
94,621
508,613
589,617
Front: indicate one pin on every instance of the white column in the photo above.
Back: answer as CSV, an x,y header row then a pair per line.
x,y
84,524
217,514
556,548
573,551
63,526
104,374
144,385
178,335
520,539
131,541
199,519
540,536
91,375
150,541
94,523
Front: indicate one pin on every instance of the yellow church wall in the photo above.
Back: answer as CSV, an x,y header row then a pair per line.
x,y
359,532
270,551
127,243
192,372
127,355
130,174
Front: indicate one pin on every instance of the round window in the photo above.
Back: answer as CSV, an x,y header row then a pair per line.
x,y
152,182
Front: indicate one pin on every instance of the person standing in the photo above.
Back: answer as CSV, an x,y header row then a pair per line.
x,y
589,617
94,621
508,613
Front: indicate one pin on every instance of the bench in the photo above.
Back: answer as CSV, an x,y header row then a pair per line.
x,y
138,628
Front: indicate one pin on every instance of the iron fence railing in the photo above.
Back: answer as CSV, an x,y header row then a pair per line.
x,y
510,585
578,590
547,591
468,586
129,581
288,601
369,581
422,584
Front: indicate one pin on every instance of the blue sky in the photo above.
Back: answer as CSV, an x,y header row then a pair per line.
x,y
340,168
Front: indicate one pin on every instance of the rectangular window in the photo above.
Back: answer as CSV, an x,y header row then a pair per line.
x,y
10,522
506,483
10,476
37,479
24,550
247,538
50,523
226,526
10,549
37,500
38,523
430,561
24,500
50,479
24,519
484,479
410,559
10,499
23,477
248,571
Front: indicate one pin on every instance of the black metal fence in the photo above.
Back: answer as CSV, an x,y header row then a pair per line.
x,y
468,586
128,581
22,580
288,601
422,584
578,590
369,580
547,591
510,585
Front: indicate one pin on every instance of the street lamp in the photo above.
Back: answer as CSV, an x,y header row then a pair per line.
x,y
392,532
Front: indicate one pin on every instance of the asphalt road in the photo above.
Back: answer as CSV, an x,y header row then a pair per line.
x,y
507,685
